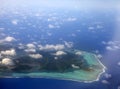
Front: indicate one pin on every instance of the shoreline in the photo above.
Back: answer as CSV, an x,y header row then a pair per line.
x,y
30,75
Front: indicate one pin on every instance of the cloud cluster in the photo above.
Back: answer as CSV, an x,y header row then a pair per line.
x,y
60,53
52,47
7,62
10,52
36,56
112,45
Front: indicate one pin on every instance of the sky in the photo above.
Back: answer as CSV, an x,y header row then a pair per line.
x,y
66,4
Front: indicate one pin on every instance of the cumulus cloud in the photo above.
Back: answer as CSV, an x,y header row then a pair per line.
x,y
68,44
51,47
73,35
0,55
10,52
14,22
99,56
30,45
105,82
49,34
55,58
118,87
74,66
55,25
78,53
109,48
31,50
52,19
91,28
71,19
112,45
36,56
118,63
60,53
7,62
51,26
107,75
21,46
1,29
8,39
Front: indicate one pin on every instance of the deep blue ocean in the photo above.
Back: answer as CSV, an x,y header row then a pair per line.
x,y
91,31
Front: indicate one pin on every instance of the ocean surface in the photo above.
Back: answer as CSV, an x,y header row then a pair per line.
x,y
92,31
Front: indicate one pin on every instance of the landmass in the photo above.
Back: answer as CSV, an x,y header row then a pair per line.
x,y
67,64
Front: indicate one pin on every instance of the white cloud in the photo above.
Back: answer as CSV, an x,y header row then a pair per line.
x,y
0,55
71,19
49,34
109,48
68,44
51,47
60,53
36,56
91,28
30,50
107,75
7,62
113,48
1,29
74,66
55,25
30,45
78,53
103,42
99,26
118,87
14,22
9,39
105,82
52,19
21,46
51,26
10,52
118,63
73,35
99,56
112,45
55,58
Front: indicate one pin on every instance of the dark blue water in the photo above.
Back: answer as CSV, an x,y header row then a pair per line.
x,y
84,40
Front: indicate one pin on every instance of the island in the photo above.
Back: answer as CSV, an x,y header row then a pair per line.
x,y
67,64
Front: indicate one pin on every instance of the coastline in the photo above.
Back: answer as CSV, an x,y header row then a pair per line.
x,y
68,76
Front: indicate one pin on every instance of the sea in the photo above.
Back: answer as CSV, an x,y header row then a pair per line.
x,y
95,31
